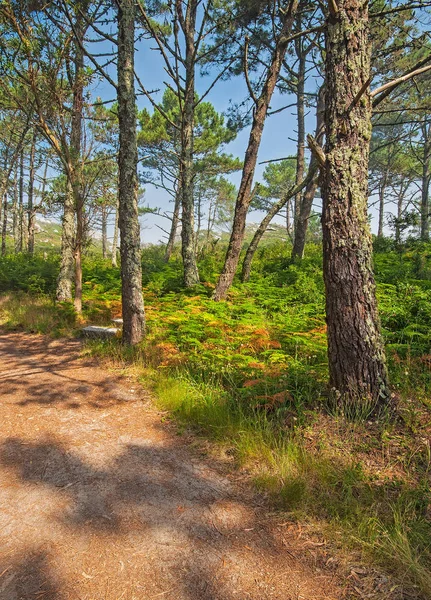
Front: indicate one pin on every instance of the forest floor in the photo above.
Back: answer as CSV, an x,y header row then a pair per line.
x,y
100,499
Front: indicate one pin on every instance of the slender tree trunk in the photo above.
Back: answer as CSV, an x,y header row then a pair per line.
x,y
104,232
211,218
66,275
15,208
310,191
79,238
358,376
174,225
115,239
288,219
20,244
30,208
382,192
4,228
400,207
199,221
131,269
426,179
244,193
275,209
76,168
300,111
191,274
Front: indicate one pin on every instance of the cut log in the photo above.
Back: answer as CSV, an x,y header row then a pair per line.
x,y
97,332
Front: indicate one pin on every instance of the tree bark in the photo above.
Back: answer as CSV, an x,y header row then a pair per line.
x,y
30,208
115,238
75,171
358,375
382,191
191,274
174,225
426,179
300,114
66,275
15,208
4,228
300,233
244,193
400,206
20,244
104,233
288,219
131,269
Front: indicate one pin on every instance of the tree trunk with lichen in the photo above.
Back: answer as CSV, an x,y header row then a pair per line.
x,y
65,278
245,189
358,375
130,247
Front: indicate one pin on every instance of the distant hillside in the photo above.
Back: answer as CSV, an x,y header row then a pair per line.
x,y
48,237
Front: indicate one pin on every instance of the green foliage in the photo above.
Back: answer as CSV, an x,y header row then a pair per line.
x,y
251,374
32,274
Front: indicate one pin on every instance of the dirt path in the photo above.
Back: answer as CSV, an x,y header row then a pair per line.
x,y
99,500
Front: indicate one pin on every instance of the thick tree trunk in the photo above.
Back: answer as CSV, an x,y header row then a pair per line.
x,y
310,190
244,193
275,209
4,227
115,239
66,275
174,226
191,274
358,376
31,215
131,269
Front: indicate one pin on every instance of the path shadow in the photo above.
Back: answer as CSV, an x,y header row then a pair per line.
x,y
68,384
29,576
153,492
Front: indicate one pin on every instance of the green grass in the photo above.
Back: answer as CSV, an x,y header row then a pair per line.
x,y
326,484
36,314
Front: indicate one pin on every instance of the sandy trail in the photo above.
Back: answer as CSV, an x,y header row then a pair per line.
x,y
100,500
